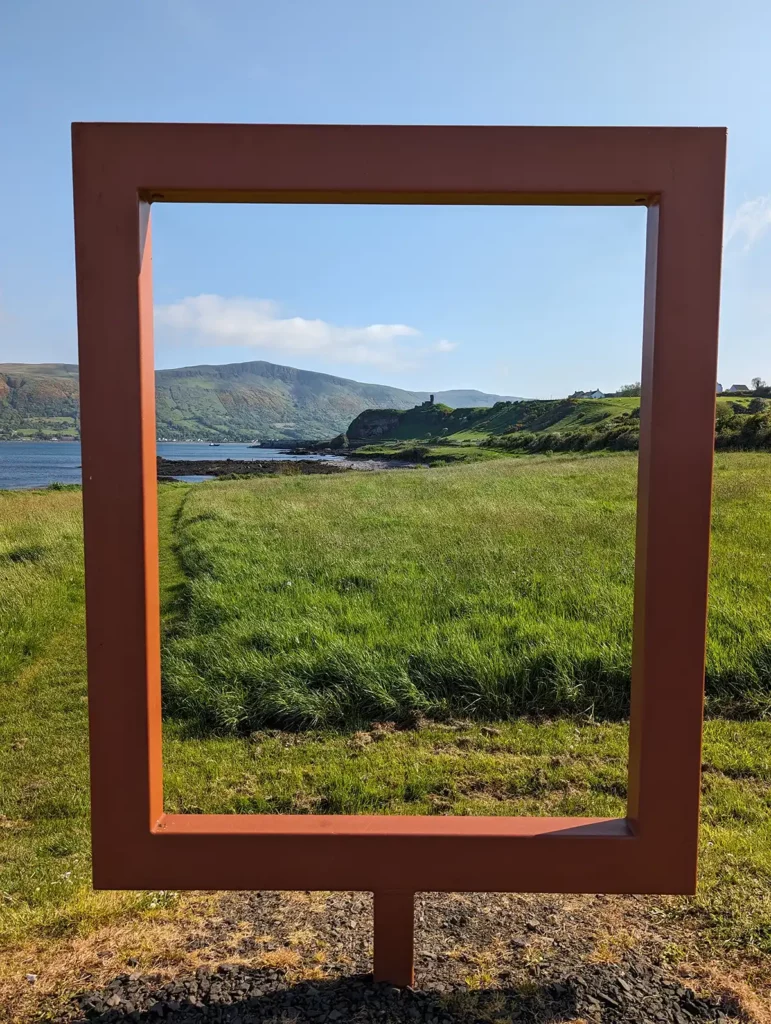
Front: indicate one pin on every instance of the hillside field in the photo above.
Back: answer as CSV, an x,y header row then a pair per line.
x,y
743,423
477,424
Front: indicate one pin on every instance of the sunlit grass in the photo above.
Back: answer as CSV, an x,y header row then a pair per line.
x,y
461,766
487,590
45,871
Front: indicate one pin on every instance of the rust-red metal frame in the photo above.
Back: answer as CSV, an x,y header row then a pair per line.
x,y
119,171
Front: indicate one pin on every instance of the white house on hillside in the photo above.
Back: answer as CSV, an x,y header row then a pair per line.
x,y
738,387
719,388
588,394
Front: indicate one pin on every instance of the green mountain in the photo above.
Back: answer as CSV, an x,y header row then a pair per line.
x,y
237,401
38,400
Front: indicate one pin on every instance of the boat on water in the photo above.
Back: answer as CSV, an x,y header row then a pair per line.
x,y
254,444
214,444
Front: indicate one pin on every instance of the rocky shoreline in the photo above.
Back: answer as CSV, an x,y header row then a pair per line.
x,y
171,469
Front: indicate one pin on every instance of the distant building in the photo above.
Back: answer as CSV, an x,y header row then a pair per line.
x,y
738,387
588,394
719,388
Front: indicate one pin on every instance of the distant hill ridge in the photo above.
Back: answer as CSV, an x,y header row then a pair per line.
x,y
234,401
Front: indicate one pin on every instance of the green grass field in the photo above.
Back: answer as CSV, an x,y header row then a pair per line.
x,y
540,548
486,590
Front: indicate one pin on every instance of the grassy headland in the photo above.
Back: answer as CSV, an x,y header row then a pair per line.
x,y
562,425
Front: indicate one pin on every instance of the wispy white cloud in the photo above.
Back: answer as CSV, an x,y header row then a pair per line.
x,y
257,323
750,222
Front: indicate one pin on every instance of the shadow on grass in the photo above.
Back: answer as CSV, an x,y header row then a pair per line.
x,y
176,608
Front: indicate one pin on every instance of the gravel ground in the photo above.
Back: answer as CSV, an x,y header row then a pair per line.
x,y
480,958
633,992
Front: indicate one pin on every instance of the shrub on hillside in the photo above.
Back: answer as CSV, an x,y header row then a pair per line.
x,y
417,453
621,437
739,427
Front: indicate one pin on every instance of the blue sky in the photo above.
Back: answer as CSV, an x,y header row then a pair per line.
x,y
524,301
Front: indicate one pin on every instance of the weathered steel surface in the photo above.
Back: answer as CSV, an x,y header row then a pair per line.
x,y
678,173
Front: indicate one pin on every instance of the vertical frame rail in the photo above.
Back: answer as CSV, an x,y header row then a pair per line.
x,y
394,937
